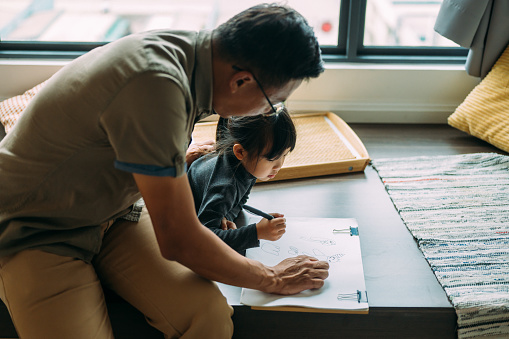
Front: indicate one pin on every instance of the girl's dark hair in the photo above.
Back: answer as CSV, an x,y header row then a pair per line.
x,y
274,42
257,134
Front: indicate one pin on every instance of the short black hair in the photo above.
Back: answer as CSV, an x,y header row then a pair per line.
x,y
273,41
260,135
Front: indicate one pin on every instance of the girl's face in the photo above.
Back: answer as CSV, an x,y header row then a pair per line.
x,y
263,168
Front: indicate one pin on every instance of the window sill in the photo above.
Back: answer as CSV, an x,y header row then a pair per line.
x,y
357,92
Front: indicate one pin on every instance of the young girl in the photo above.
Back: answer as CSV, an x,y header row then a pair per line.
x,y
247,149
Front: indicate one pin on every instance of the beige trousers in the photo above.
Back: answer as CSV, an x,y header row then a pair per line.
x,y
52,296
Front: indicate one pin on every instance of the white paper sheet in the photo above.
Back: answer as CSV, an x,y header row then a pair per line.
x,y
316,237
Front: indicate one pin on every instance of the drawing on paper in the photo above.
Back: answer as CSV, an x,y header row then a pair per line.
x,y
317,253
271,248
323,241
335,258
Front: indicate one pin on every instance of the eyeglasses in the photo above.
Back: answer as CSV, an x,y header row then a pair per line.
x,y
275,108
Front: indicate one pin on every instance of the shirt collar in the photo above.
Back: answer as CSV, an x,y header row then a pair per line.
x,y
203,74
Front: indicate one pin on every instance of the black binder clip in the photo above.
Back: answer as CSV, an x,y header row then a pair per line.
x,y
360,296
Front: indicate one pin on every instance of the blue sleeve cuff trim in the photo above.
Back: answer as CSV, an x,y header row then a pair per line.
x,y
157,171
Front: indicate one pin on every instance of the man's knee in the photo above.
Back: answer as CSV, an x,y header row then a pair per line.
x,y
215,317
199,312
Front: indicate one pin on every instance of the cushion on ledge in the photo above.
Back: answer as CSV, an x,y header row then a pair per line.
x,y
485,111
11,109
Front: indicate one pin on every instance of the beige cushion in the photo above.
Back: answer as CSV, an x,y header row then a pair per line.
x,y
485,111
11,109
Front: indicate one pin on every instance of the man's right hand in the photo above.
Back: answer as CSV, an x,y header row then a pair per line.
x,y
294,275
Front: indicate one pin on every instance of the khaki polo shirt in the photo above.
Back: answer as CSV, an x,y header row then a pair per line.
x,y
127,107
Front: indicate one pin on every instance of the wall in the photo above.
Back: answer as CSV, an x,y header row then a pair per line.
x,y
386,93
356,92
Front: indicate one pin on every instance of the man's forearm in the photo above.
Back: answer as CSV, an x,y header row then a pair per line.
x,y
206,254
183,238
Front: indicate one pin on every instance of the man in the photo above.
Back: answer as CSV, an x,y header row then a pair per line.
x,y
114,126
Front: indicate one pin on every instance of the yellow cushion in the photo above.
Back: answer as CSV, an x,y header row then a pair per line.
x,y
11,109
485,111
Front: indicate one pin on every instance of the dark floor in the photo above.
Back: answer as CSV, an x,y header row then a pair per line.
x,y
405,299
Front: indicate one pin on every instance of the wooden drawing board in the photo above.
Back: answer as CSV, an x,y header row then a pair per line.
x,y
325,145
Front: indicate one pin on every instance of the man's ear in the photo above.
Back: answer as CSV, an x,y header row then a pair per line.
x,y
240,80
239,151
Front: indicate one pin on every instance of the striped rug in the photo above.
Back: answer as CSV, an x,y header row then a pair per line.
x,y
457,209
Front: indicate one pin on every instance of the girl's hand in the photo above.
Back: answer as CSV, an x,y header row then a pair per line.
x,y
271,229
227,225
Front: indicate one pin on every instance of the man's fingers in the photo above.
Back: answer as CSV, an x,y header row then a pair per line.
x,y
320,264
313,267
316,283
206,146
316,268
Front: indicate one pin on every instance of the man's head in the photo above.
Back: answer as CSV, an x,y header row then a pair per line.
x,y
275,42
268,47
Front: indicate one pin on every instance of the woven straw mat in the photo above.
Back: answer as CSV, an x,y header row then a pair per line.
x,y
317,142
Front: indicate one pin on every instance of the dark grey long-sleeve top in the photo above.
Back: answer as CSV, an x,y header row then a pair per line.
x,y
221,187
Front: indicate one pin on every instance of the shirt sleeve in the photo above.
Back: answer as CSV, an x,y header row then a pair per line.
x,y
219,199
239,239
147,124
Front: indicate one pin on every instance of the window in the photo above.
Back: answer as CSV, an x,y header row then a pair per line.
x,y
402,23
348,30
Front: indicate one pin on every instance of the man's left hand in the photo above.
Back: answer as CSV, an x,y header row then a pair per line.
x,y
198,149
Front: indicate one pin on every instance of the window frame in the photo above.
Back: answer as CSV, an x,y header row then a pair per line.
x,y
350,47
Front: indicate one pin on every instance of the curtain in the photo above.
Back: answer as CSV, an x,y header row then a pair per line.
x,y
480,25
